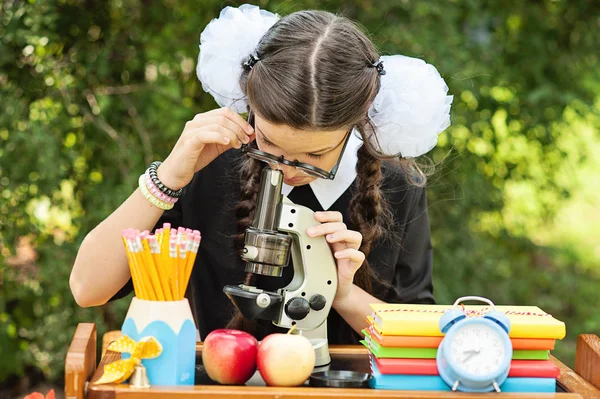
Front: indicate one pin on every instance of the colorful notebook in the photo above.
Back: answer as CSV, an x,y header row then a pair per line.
x,y
430,353
435,383
406,341
402,341
518,368
422,320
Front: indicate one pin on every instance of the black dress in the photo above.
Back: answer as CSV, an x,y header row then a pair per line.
x,y
207,205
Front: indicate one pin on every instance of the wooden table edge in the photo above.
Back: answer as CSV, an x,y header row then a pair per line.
x,y
80,361
81,372
587,358
574,382
227,391
220,392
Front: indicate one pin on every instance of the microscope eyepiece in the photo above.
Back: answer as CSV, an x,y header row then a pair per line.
x,y
269,200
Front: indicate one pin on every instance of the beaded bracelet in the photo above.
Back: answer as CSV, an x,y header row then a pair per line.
x,y
152,172
148,195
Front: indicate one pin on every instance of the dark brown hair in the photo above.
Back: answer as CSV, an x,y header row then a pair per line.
x,y
315,71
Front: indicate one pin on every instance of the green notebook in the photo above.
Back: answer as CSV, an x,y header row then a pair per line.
x,y
430,353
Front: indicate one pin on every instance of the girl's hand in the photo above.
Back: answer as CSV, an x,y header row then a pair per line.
x,y
203,139
345,245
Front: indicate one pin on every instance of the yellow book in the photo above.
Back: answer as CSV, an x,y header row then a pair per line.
x,y
423,320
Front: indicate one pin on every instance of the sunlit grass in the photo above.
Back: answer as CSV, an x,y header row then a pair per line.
x,y
576,228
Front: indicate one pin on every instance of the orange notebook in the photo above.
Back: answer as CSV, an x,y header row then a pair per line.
x,y
423,320
406,341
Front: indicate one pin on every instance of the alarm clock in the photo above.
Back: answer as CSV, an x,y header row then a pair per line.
x,y
476,351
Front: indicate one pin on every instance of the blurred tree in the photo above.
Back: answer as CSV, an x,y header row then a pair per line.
x,y
92,91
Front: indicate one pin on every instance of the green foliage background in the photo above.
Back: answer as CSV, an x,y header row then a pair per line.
x,y
92,91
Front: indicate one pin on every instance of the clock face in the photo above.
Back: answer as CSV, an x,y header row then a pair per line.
x,y
477,349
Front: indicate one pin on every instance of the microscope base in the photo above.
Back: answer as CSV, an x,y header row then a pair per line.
x,y
320,343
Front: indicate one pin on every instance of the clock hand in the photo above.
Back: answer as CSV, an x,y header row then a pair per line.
x,y
471,353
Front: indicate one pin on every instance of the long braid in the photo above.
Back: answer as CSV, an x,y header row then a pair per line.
x,y
244,211
368,211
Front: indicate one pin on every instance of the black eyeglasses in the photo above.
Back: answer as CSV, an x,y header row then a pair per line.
x,y
253,151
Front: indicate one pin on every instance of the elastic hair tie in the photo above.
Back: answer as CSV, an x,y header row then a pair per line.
x,y
379,66
252,59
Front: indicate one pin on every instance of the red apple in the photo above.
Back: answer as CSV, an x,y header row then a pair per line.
x,y
285,359
229,356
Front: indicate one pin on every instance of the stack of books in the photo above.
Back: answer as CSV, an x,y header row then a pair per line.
x,y
403,341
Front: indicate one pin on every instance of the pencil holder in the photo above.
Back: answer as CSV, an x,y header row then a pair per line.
x,y
171,324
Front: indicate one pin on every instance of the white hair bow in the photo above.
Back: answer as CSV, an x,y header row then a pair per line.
x,y
225,44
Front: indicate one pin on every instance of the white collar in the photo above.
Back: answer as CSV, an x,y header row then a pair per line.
x,y
328,191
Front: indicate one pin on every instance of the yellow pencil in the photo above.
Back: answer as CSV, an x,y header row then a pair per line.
x,y
135,278
166,259
151,267
160,267
178,250
149,288
185,246
189,261
183,250
159,235
166,236
173,263
191,258
161,264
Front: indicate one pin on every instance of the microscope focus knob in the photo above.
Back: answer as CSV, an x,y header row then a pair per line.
x,y
317,302
297,308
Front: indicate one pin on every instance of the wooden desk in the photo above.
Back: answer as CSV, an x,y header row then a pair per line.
x,y
81,372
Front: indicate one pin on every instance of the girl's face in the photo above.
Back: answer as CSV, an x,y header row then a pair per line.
x,y
318,148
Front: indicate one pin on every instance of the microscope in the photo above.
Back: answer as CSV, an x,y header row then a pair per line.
x,y
278,230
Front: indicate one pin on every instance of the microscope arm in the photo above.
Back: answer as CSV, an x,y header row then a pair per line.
x,y
308,297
